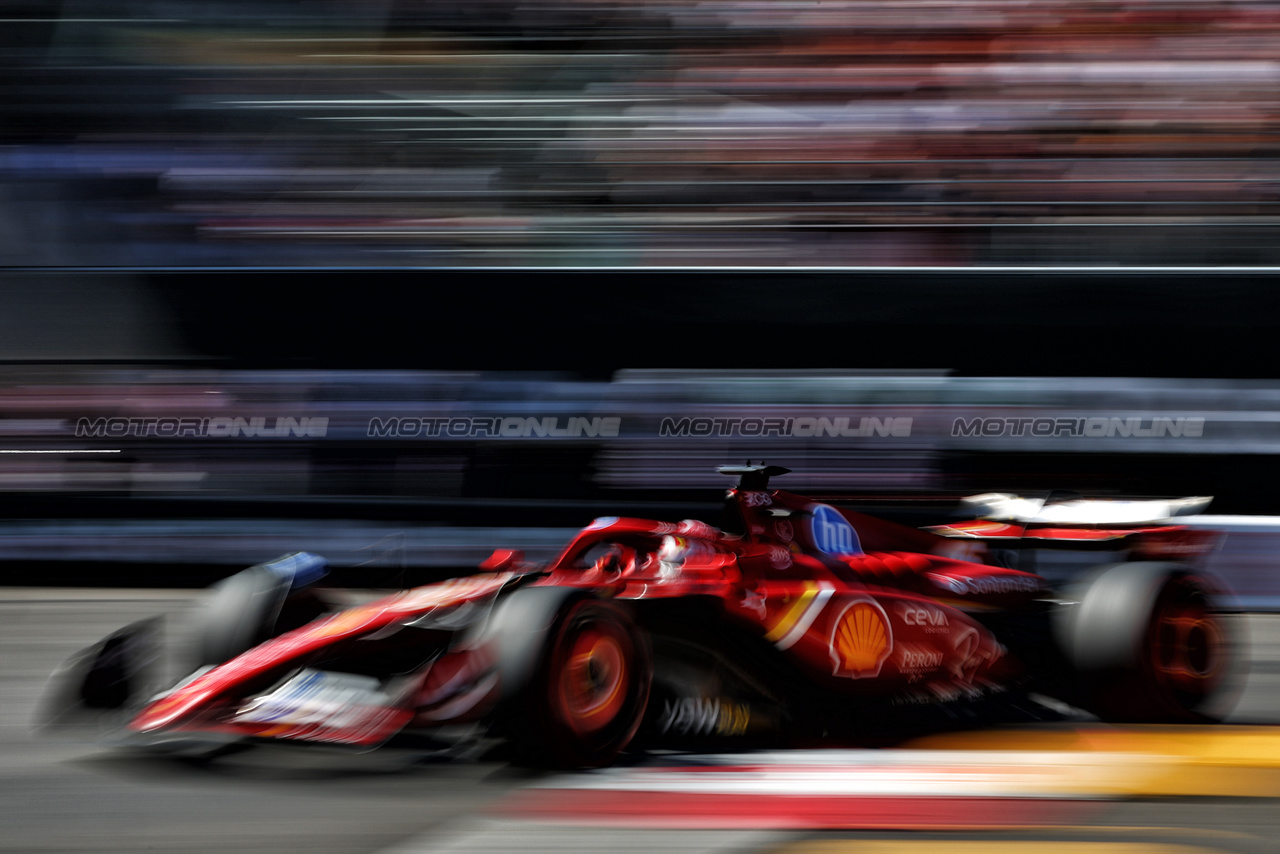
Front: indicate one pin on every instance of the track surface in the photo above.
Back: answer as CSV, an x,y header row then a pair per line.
x,y
73,796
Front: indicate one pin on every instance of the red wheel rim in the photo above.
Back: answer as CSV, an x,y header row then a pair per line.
x,y
593,681
1188,647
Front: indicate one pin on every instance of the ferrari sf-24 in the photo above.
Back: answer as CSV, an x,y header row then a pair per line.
x,y
794,621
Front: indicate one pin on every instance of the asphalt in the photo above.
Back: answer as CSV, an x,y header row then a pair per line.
x,y
1216,792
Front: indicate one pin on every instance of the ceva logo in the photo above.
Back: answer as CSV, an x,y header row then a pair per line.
x,y
832,533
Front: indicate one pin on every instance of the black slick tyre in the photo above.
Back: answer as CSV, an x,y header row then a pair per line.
x,y
1148,644
576,674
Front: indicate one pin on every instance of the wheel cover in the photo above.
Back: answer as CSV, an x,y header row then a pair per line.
x,y
1188,649
593,683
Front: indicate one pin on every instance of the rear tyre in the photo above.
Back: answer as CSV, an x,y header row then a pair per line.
x,y
1149,644
578,700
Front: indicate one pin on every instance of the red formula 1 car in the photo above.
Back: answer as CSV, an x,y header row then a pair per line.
x,y
792,622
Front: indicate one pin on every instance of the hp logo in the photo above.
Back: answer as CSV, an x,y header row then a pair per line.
x,y
832,533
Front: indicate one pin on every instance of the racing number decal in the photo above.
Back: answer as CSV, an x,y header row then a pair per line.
x,y
861,640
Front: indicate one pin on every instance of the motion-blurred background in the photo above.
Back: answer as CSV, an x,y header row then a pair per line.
x,y
401,281
636,133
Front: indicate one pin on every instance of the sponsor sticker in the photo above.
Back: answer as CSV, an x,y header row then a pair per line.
x,y
987,585
861,640
832,534
702,716
324,706
916,660
931,620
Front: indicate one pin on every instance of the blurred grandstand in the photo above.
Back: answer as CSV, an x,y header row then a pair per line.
x,y
625,133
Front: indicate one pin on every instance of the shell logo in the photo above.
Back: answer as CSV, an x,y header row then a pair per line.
x,y
861,640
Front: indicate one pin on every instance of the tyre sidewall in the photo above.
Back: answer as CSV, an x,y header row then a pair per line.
x,y
1109,639
536,632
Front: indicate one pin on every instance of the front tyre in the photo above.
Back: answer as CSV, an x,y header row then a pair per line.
x,y
252,606
597,679
585,694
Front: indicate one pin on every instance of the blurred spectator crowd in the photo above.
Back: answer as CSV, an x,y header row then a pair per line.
x,y
392,133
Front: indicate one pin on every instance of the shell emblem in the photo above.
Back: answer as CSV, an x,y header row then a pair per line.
x,y
861,640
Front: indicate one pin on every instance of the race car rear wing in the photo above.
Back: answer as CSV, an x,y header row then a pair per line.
x,y
1004,507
